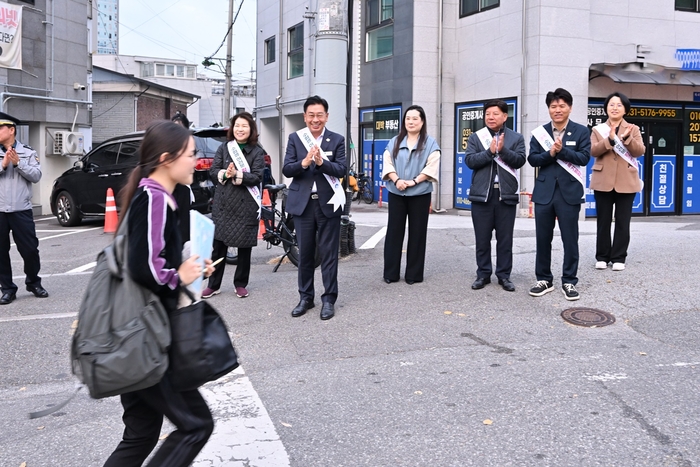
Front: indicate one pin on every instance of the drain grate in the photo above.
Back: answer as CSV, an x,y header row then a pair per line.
x,y
589,317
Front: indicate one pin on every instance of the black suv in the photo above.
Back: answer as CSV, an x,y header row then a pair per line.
x,y
81,191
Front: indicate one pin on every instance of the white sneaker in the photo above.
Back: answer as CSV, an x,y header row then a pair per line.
x,y
618,267
601,265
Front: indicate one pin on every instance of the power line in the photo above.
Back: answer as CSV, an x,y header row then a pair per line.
x,y
206,59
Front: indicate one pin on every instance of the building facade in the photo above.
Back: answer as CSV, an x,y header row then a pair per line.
x,y
107,26
49,91
123,103
208,109
450,56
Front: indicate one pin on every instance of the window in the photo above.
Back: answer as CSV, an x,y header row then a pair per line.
x,y
104,157
270,50
160,69
146,70
191,71
379,29
295,58
470,7
687,5
180,71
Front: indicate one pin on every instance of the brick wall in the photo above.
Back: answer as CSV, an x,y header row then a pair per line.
x,y
149,109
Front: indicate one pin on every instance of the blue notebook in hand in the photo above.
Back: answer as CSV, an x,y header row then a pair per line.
x,y
201,241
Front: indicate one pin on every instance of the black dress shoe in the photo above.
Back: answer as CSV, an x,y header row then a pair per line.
x,y
327,311
481,282
388,281
38,291
303,306
507,285
7,298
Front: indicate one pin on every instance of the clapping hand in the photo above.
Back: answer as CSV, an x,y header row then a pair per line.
x,y
11,157
628,131
556,147
310,157
318,157
496,144
230,171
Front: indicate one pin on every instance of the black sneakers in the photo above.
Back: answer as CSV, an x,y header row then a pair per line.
x,y
541,288
570,292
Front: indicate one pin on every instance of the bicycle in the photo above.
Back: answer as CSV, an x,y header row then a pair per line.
x,y
279,228
365,190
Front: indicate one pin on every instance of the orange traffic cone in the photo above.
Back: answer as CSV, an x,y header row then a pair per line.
x,y
265,202
111,219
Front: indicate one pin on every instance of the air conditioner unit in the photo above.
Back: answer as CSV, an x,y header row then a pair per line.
x,y
66,143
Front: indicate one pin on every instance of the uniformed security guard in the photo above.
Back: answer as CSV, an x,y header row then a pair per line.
x,y
18,170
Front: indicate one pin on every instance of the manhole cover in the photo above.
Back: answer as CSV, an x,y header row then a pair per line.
x,y
587,317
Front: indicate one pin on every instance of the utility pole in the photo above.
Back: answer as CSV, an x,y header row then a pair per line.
x,y
229,49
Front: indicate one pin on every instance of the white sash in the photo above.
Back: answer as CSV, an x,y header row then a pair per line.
x,y
241,164
338,198
547,142
485,138
604,130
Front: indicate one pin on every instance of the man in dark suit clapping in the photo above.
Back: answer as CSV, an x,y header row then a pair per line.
x,y
494,153
560,150
315,160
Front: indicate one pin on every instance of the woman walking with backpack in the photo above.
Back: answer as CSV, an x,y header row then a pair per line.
x,y
167,157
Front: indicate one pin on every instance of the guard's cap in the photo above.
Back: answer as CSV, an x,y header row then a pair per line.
x,y
6,119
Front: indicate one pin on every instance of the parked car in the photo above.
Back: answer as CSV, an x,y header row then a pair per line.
x,y
81,191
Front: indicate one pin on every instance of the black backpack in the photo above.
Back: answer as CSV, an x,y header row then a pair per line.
x,y
121,342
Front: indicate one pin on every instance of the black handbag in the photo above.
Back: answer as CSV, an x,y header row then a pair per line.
x,y
201,349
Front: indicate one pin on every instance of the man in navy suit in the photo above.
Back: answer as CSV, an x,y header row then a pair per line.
x,y
315,159
560,150
494,153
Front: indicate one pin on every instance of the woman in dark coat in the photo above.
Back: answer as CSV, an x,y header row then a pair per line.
x,y
237,172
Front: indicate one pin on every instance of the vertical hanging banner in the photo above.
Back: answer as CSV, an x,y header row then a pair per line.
x,y
10,36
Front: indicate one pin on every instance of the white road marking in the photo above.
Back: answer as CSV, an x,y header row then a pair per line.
x,y
82,268
244,435
58,274
10,319
63,234
606,377
374,239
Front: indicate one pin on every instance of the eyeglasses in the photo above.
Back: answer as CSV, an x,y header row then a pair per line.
x,y
318,115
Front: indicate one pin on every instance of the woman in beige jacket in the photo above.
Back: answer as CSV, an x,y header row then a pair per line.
x,y
615,179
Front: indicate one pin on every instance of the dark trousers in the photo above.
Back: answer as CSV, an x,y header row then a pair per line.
x,y
487,217
615,251
312,222
545,217
240,278
416,209
143,418
21,223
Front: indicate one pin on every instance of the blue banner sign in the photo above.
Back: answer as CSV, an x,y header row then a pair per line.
x,y
663,184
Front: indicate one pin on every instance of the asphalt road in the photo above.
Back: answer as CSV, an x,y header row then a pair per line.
x,y
433,374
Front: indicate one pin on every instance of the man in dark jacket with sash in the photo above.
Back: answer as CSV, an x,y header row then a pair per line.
x,y
494,153
315,160
560,151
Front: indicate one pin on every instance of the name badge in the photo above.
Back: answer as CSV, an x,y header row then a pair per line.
x,y
328,154
571,143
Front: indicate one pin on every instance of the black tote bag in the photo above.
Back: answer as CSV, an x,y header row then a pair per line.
x,y
201,349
